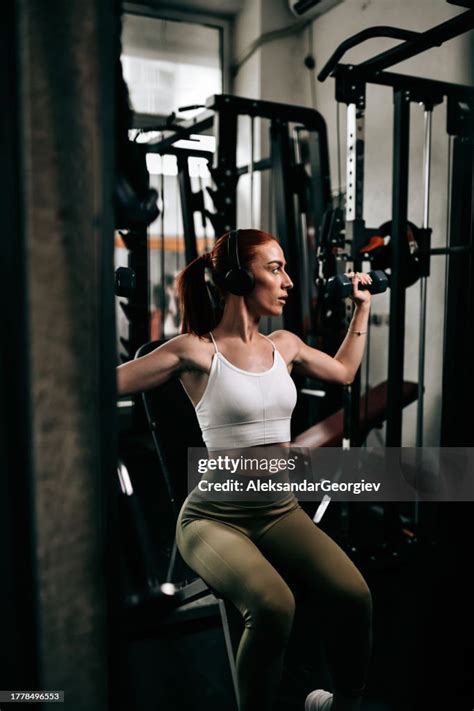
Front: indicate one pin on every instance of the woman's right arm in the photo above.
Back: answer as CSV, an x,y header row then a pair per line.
x,y
153,369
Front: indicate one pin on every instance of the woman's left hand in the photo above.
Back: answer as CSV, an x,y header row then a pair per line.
x,y
360,296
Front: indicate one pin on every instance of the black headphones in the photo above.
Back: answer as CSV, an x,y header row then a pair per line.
x,y
238,280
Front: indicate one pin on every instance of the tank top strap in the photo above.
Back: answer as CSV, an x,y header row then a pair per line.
x,y
214,341
269,339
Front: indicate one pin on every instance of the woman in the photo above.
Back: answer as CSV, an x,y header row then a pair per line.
x,y
259,556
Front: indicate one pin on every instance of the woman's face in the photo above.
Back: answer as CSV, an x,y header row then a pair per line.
x,y
271,281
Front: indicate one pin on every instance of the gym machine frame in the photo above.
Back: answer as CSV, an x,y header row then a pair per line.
x,y
351,81
221,115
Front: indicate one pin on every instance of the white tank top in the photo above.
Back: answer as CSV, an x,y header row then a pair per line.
x,y
243,409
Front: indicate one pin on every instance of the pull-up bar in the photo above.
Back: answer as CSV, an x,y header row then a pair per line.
x,y
416,42
369,33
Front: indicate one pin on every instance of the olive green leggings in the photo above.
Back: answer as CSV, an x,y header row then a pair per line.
x,y
257,560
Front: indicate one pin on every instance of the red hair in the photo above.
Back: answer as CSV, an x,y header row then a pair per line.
x,y
197,311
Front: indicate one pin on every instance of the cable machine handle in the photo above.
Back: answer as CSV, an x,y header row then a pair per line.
x,y
369,33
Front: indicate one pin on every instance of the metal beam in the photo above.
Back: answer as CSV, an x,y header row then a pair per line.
x,y
187,209
199,124
283,161
266,109
433,37
401,146
351,81
239,106
458,351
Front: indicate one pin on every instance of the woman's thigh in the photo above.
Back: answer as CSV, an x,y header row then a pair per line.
x,y
233,565
309,560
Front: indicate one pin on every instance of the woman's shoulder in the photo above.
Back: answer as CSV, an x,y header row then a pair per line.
x,y
283,337
286,342
187,343
193,350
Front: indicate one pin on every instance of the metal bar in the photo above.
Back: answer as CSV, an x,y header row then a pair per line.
x,y
187,212
162,257
355,388
225,164
457,387
433,37
199,124
460,249
139,326
401,144
229,648
354,227
363,36
428,115
147,121
258,165
236,105
347,429
418,86
241,106
287,113
317,199
174,151
446,241
251,172
282,164
301,228
351,163
320,174
355,163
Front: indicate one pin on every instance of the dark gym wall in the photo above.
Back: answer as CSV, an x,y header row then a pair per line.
x,y
63,466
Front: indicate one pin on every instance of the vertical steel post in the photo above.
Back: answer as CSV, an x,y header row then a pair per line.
x,y
428,115
251,170
187,209
458,354
355,230
225,165
282,170
401,146
355,164
301,234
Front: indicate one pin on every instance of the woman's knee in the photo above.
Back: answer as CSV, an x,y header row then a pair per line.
x,y
351,598
273,610
359,597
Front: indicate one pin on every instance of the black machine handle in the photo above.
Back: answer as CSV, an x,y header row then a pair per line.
x,y
369,33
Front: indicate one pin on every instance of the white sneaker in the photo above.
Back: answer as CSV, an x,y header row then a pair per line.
x,y
318,700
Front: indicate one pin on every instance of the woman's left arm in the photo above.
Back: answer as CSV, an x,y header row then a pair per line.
x,y
352,348
345,364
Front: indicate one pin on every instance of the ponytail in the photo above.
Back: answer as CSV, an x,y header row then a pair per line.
x,y
196,296
198,314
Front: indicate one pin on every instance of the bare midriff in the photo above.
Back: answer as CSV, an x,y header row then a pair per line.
x,y
282,445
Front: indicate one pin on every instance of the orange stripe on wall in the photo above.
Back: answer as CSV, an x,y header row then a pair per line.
x,y
171,243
